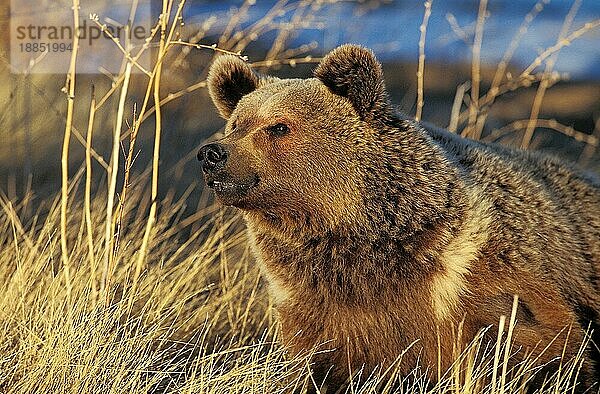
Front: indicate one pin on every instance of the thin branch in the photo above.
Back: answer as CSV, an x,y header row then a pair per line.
x,y
506,58
421,70
559,45
70,91
87,198
108,233
476,69
127,54
543,86
163,46
551,124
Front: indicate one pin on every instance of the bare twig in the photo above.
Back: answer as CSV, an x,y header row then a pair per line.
x,y
458,100
114,39
163,46
291,62
213,47
458,30
566,41
545,123
543,86
113,169
70,91
506,58
87,199
475,69
284,32
589,150
514,44
421,69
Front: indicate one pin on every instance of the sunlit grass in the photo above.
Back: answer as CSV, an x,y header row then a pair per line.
x,y
199,318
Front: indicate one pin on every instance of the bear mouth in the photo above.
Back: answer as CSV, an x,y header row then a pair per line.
x,y
231,191
221,186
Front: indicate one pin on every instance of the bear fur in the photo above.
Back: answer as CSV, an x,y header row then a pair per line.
x,y
380,236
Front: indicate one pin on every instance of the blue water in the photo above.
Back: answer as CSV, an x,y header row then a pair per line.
x,y
392,30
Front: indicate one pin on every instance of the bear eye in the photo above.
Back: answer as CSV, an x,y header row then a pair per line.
x,y
278,130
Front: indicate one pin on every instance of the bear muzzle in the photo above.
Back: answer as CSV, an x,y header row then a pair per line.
x,y
229,187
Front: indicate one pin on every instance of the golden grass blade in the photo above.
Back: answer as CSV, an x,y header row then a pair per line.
x,y
108,233
70,90
87,196
501,324
157,134
507,346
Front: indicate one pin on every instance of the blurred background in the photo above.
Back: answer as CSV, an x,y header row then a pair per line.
x,y
286,38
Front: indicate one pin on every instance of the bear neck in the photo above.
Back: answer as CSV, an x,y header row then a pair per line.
x,y
415,190
413,206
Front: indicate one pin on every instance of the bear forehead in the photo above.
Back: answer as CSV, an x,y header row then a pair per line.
x,y
295,97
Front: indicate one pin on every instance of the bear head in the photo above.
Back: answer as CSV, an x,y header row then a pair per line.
x,y
298,148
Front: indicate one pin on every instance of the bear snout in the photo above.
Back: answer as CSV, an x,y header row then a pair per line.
x,y
231,184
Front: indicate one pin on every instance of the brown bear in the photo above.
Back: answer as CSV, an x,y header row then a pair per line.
x,y
379,235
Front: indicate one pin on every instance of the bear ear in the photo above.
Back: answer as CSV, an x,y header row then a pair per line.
x,y
229,79
353,71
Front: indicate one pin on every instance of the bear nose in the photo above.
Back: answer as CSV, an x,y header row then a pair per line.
x,y
211,156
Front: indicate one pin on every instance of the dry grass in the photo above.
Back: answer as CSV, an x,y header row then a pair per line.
x,y
197,308
118,291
